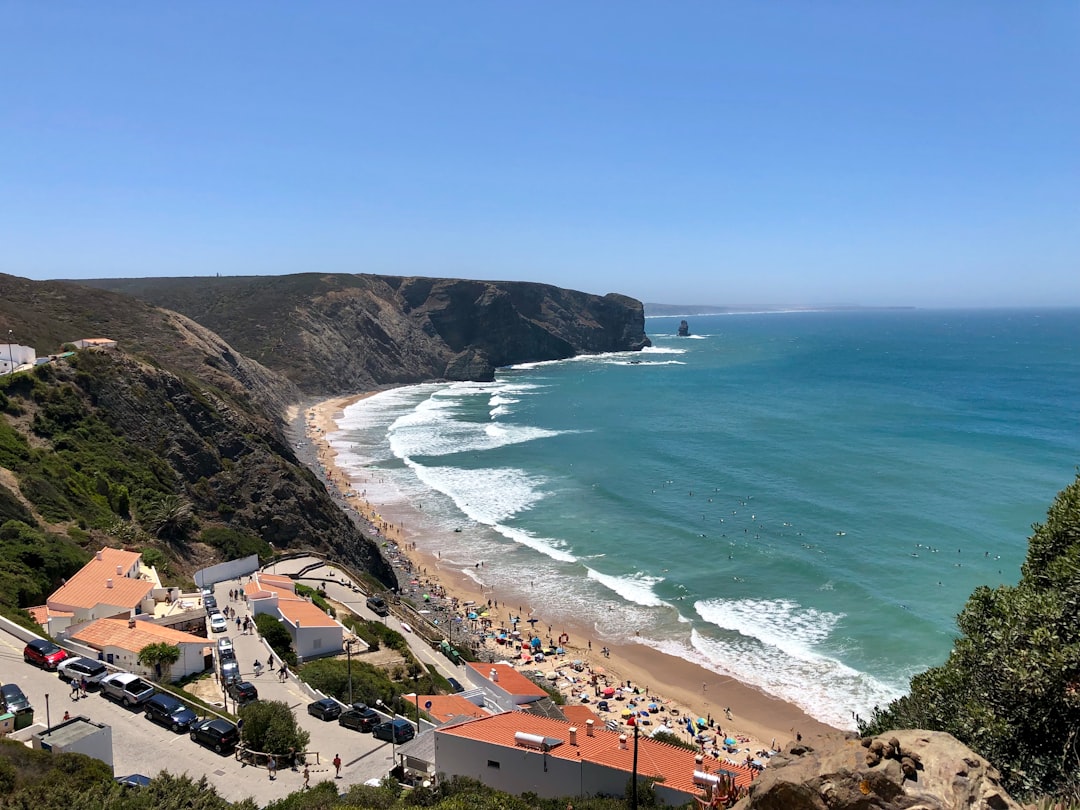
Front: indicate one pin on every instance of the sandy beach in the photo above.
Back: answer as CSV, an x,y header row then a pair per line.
x,y
680,688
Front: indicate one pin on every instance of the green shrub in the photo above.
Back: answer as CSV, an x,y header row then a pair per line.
x,y
270,727
277,636
234,544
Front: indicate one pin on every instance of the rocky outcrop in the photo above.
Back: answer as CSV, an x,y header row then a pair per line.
x,y
684,329
332,334
902,770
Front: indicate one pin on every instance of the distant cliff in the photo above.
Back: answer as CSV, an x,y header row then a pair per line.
x,y
341,333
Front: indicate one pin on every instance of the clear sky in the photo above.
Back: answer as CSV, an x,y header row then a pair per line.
x,y
728,153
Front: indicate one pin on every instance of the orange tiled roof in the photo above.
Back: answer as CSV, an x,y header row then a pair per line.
x,y
655,758
253,589
443,707
42,614
510,680
577,715
303,611
270,580
116,633
89,587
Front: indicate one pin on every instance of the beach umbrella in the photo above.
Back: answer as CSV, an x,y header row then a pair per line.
x,y
560,651
625,713
535,642
532,621
653,707
472,614
484,615
729,741
608,691
702,722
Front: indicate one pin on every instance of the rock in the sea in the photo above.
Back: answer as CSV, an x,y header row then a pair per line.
x,y
911,770
684,329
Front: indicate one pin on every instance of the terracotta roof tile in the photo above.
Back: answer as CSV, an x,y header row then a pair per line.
x,y
444,707
89,587
676,765
42,614
510,679
303,611
116,633
277,580
577,715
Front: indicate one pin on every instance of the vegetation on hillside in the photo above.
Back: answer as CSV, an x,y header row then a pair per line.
x,y
1010,689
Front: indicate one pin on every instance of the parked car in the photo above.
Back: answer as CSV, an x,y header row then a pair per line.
x,y
230,671
455,684
396,730
243,693
325,709
378,606
75,669
43,653
12,698
129,689
169,711
133,780
220,735
360,717
218,623
210,603
225,647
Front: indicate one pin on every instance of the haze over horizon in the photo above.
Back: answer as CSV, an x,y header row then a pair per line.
x,y
745,155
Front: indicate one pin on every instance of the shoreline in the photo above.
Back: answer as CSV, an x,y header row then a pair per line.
x,y
756,719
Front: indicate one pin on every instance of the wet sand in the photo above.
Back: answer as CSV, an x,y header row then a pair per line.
x,y
683,686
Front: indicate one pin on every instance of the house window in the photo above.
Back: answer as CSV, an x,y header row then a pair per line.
x,y
493,764
316,643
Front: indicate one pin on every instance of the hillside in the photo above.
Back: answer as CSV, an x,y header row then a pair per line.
x,y
332,334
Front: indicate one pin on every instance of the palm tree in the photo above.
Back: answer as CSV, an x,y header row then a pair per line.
x,y
160,656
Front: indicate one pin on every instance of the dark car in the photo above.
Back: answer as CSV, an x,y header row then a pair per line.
x,y
167,710
455,684
378,606
75,669
210,603
43,653
396,730
243,693
230,671
360,717
12,698
133,780
221,735
325,709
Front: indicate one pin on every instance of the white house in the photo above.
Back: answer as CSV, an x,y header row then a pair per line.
x,y
12,356
313,632
506,687
114,583
120,640
519,752
94,343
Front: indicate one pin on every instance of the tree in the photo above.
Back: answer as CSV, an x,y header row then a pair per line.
x,y
277,636
270,727
159,656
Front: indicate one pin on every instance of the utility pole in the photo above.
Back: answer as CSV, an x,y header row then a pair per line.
x,y
633,787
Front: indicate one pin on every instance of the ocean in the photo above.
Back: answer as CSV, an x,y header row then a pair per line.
x,y
800,500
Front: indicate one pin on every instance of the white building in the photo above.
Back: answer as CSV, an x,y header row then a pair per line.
x,y
314,633
12,356
119,641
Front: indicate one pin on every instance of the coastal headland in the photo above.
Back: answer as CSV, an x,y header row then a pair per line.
x,y
686,690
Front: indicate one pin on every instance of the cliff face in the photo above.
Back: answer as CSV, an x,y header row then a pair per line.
x,y
332,334
138,454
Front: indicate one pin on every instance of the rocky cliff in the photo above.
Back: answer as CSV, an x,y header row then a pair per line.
x,y
901,770
331,334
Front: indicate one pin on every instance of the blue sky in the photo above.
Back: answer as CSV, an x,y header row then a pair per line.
x,y
740,154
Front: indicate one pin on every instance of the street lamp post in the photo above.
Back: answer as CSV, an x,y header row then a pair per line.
x,y
11,353
633,788
348,656
48,722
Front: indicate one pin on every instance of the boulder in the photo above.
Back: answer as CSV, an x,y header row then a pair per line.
x,y
906,770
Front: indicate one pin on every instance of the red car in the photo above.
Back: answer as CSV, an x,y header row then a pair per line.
x,y
43,653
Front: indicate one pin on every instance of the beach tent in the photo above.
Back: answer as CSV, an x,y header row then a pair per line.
x,y
535,643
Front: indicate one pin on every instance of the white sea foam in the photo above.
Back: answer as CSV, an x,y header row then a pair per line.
x,y
545,545
662,350
780,623
488,496
636,588
434,431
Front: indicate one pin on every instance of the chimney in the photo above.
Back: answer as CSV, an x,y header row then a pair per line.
x,y
131,624
698,759
573,735
622,741
589,728
119,570
494,675
99,554
108,582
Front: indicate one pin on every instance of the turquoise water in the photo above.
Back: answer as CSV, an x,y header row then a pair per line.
x,y
801,500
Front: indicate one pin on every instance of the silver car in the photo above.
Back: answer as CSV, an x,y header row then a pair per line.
x,y
126,688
